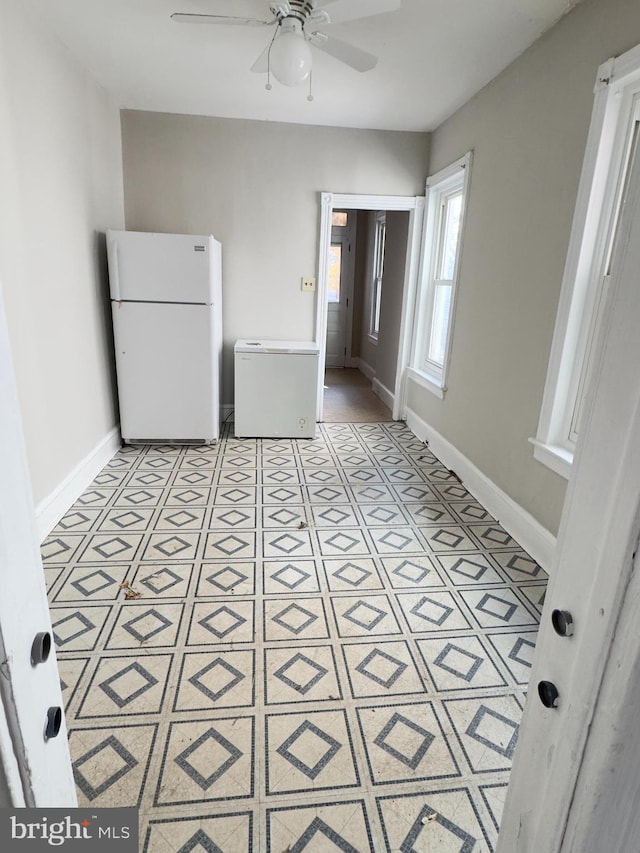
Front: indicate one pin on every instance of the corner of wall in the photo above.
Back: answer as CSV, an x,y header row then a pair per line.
x,y
535,539
52,508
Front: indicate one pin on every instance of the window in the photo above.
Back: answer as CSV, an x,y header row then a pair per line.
x,y
445,211
339,219
377,273
335,268
612,142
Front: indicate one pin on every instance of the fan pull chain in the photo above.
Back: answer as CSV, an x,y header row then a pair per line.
x,y
310,95
269,87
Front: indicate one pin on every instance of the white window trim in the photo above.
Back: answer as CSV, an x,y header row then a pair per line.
x,y
425,381
617,85
379,222
432,377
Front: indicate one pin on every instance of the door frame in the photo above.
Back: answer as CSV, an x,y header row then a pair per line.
x,y
415,206
574,779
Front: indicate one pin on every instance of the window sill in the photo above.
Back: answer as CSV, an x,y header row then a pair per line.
x,y
558,459
424,380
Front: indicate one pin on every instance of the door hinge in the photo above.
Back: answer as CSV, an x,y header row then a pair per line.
x,y
347,302
345,350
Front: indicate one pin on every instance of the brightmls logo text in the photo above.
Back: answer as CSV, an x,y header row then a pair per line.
x,y
33,830
55,833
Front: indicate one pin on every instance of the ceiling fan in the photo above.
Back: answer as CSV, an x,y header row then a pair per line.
x,y
297,26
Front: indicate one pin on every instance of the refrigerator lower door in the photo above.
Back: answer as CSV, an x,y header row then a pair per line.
x,y
166,362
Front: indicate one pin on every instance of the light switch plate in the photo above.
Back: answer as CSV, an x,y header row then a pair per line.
x,y
308,285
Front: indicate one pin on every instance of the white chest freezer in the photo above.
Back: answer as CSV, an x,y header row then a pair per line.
x,y
275,389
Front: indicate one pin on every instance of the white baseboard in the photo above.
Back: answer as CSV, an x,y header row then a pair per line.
x,y
532,536
366,369
383,392
51,509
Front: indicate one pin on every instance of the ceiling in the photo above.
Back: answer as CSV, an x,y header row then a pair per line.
x,y
434,55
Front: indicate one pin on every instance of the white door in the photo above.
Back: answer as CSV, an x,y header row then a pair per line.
x,y
38,770
574,783
339,292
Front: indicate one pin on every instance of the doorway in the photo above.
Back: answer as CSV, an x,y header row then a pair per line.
x,y
344,318
354,303
342,254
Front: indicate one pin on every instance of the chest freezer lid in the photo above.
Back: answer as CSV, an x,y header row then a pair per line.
x,y
259,346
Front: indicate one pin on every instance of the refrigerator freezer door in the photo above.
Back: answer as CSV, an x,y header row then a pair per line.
x,y
167,372
275,394
163,267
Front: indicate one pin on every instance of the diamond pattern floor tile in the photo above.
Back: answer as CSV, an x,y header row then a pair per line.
x,y
446,820
207,760
110,768
229,832
331,826
126,686
211,680
309,752
405,743
278,645
383,669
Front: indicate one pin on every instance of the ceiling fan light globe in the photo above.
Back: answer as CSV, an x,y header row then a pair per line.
x,y
290,59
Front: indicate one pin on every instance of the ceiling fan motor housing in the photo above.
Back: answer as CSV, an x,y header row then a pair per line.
x,y
280,10
300,9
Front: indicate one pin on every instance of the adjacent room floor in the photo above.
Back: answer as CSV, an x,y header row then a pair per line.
x,y
293,645
348,398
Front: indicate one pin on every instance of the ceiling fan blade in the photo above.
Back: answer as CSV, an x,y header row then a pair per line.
x,y
344,52
340,11
261,65
229,20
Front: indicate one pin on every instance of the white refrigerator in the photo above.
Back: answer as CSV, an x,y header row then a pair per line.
x,y
167,323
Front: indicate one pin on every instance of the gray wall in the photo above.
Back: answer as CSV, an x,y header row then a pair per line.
x,y
256,186
528,130
395,255
61,180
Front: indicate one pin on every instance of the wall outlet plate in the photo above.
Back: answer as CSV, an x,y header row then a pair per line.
x,y
308,285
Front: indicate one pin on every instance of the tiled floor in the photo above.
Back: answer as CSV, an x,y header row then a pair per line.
x,y
328,651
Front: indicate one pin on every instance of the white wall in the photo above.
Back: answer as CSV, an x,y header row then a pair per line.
x,y
528,130
256,186
61,187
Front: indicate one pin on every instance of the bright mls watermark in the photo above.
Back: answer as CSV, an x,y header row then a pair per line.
x,y
80,830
